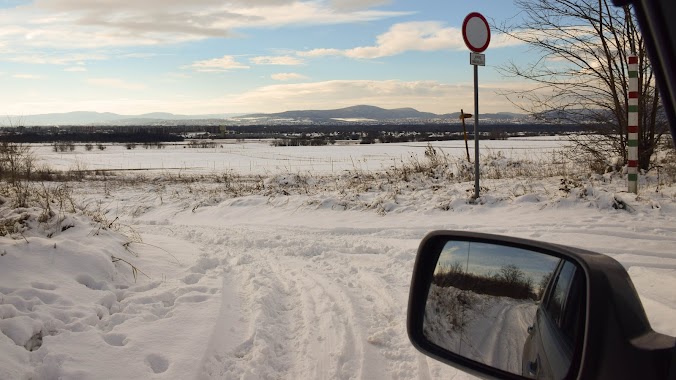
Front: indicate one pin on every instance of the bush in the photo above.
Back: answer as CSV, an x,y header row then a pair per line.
x,y
316,141
201,144
63,146
148,145
510,281
16,167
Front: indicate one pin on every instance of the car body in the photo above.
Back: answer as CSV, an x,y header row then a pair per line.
x,y
551,340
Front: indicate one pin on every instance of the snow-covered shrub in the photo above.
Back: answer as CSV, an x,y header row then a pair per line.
x,y
16,167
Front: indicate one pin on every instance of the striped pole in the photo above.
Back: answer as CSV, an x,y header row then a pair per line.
x,y
632,126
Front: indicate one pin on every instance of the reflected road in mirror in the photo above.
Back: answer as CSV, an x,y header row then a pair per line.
x,y
483,299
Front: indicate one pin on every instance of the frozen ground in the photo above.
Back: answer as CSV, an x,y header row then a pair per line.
x,y
292,285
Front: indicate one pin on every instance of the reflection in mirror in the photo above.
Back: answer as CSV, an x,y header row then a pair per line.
x,y
482,305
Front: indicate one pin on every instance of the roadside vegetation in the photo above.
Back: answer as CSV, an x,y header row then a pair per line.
x,y
507,281
38,201
23,179
35,201
457,298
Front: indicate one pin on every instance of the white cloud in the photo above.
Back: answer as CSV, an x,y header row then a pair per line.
x,y
357,4
75,69
91,28
320,52
55,59
116,83
277,60
178,76
71,35
111,23
313,13
410,36
225,63
27,76
429,96
102,5
287,76
138,55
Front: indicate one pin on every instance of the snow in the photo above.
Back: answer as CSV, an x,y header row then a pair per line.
x,y
307,278
490,330
259,157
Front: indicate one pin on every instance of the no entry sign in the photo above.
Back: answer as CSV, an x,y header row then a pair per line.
x,y
476,32
477,36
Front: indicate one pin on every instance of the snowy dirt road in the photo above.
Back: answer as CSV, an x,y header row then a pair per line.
x,y
303,302
491,330
497,337
321,293
290,286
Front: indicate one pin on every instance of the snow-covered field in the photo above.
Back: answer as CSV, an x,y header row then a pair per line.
x,y
259,157
295,283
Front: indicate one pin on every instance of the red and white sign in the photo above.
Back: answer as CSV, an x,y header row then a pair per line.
x,y
476,32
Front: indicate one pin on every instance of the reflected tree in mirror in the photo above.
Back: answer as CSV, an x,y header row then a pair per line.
x,y
483,299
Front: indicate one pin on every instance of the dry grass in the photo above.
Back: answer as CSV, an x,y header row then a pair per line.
x,y
435,170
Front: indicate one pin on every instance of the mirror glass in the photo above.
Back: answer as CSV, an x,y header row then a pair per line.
x,y
516,310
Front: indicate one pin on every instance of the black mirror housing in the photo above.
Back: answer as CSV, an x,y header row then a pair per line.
x,y
617,341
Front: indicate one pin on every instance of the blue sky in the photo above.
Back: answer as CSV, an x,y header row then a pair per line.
x,y
212,56
487,259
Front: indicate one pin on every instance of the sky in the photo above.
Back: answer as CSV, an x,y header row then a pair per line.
x,y
487,259
242,56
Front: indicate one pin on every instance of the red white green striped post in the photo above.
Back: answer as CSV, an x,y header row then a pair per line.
x,y
632,125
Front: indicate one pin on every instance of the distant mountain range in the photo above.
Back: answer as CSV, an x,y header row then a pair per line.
x,y
354,112
98,118
358,113
366,112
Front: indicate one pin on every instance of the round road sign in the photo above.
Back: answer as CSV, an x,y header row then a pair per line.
x,y
476,32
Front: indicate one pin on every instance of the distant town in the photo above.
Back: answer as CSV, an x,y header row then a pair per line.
x,y
363,124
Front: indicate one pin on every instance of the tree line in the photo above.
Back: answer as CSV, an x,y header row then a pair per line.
x,y
90,137
508,281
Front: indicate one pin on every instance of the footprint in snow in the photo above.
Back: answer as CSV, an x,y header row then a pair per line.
x,y
192,298
90,282
157,363
204,264
43,285
115,339
192,278
145,287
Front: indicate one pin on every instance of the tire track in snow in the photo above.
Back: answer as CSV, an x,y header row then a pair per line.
x,y
311,304
300,325
327,331
496,335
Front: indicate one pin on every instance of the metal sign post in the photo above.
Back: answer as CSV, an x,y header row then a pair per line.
x,y
476,132
477,36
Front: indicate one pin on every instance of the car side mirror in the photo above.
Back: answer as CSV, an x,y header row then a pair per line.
x,y
513,308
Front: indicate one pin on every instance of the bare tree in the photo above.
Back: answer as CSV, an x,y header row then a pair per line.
x,y
582,72
511,274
